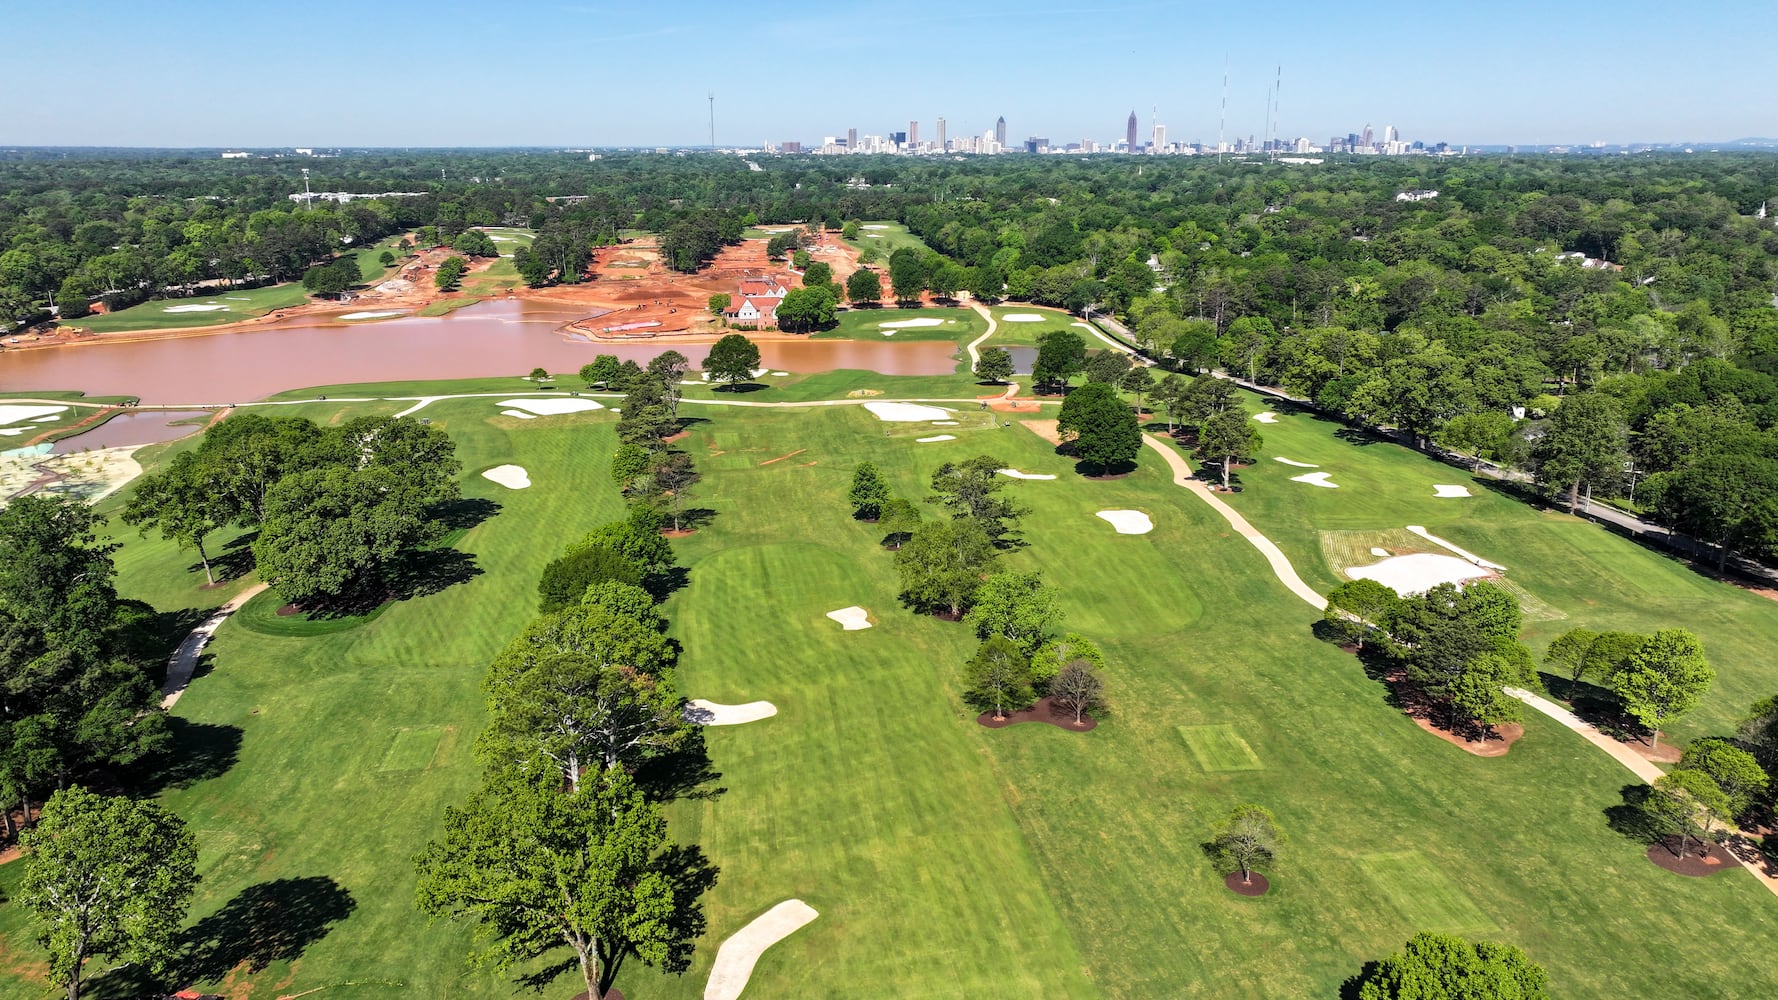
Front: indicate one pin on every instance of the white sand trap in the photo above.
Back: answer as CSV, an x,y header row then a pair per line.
x,y
521,414
709,713
780,374
874,226
377,314
10,431
907,412
903,324
1016,474
1465,553
1267,417
937,437
1128,522
552,407
851,619
1416,573
194,309
1450,491
13,413
1383,553
503,239
1300,465
1022,318
513,477
872,236
735,959
1316,479
946,423
45,420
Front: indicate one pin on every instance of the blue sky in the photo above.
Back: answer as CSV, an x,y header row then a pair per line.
x,y
581,73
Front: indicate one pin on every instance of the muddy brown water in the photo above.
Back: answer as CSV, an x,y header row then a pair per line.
x,y
491,339
140,427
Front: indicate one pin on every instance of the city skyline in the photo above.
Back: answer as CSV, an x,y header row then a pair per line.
x,y
1295,70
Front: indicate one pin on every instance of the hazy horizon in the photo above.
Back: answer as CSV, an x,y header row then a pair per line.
x,y
596,74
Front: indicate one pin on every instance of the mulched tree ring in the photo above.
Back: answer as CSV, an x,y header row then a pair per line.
x,y
1699,862
1257,885
1047,711
610,994
290,609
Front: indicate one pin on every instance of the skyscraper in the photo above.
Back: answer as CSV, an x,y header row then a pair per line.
x,y
1130,131
1160,137
1369,137
941,135
913,133
1390,134
851,140
1000,130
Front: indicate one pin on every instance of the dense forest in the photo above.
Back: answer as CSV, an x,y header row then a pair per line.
x,y
1622,306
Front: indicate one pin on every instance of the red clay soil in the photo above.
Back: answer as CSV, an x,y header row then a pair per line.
x,y
1660,752
781,458
1697,863
1257,887
675,438
1045,429
289,609
1047,711
1482,741
678,532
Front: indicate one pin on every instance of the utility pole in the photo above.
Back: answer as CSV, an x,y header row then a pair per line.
x,y
1223,121
308,199
712,119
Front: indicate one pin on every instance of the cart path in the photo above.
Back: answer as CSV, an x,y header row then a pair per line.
x,y
1286,573
1743,850
975,356
184,661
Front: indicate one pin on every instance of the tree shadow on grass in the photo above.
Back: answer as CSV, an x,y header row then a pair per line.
x,y
464,513
232,563
197,751
1633,817
270,922
684,773
430,571
1357,436
742,387
173,626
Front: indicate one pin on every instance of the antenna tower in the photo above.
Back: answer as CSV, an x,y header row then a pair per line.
x,y
712,119
1223,121
1277,89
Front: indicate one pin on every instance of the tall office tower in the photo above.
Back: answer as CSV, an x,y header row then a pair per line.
x,y
1390,134
1130,132
1000,130
913,133
1368,137
1160,137
941,135
851,140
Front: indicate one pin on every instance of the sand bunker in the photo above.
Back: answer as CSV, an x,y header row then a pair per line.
x,y
946,423
552,407
903,324
904,412
13,413
1022,318
1300,465
1450,491
875,226
1316,479
513,477
1128,522
1267,417
1016,474
737,956
521,414
1465,553
708,713
872,236
780,374
194,309
1379,552
377,314
1417,573
86,475
851,619
937,437
12,431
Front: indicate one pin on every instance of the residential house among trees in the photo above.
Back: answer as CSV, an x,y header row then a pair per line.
x,y
756,302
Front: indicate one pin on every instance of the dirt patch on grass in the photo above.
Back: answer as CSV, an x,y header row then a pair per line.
x,y
1697,863
1256,885
1660,753
1046,711
1045,429
781,458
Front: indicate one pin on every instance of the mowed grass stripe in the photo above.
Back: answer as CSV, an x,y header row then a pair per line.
x,y
1220,748
1425,896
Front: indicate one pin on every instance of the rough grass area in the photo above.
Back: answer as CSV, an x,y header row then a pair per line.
x,y
959,325
1027,334
890,238
1423,895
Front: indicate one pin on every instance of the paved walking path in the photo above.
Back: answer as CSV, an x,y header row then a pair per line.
x,y
185,659
1286,573
975,357
1743,850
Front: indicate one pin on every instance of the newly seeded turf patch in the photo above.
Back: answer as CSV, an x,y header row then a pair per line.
x,y
1220,748
412,750
1424,894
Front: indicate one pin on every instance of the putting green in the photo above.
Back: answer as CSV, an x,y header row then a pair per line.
x,y
1220,748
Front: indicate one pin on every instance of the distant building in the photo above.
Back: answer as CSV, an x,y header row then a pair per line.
x,y
1000,131
234,156
940,138
755,303
1037,144
913,133
1130,132
790,146
851,140
1415,195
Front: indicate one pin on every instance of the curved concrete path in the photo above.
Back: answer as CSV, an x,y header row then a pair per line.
x,y
1286,573
737,956
184,661
1643,768
975,356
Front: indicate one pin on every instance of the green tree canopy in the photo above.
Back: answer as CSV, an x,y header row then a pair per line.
x,y
565,580
1018,607
1104,430
994,365
942,563
1227,437
869,492
864,286
1247,838
997,677
732,359
1443,966
1664,678
1061,355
